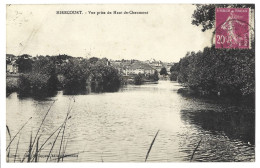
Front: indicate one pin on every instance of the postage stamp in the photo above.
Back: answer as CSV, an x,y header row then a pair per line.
x,y
232,28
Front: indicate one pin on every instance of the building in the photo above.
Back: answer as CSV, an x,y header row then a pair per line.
x,y
138,67
12,67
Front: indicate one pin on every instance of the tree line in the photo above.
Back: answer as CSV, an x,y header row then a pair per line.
x,y
45,75
228,72
225,72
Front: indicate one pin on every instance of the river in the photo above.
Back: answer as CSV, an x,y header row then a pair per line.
x,y
120,126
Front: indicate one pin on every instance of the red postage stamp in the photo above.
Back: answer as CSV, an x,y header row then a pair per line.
x,y
232,28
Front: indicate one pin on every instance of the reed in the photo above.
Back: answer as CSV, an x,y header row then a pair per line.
x,y
62,137
58,135
49,138
8,131
42,123
33,142
35,147
195,150
64,148
16,133
16,148
30,149
67,155
150,148
10,137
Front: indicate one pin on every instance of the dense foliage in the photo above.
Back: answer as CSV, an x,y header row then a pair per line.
x,y
226,72
163,71
204,15
152,77
73,75
104,78
42,79
138,79
24,64
174,76
76,73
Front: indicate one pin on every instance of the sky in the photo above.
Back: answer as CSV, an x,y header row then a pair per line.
x,y
165,33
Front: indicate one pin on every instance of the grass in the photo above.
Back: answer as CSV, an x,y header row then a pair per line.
x,y
35,143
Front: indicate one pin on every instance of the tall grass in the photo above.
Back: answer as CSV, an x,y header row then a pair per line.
x,y
16,149
150,148
8,130
195,150
36,146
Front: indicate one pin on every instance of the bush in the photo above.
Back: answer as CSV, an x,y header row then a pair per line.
x,y
41,81
173,76
138,79
105,78
11,85
76,74
229,72
163,71
36,83
155,76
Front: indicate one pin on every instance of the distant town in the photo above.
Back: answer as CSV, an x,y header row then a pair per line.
x,y
124,67
41,74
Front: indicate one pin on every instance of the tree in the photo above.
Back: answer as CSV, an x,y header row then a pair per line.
x,y
174,71
76,73
46,67
173,76
138,79
93,60
105,78
41,81
204,15
155,76
175,68
230,72
163,71
24,64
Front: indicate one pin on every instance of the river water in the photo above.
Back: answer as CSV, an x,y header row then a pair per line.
x,y
120,126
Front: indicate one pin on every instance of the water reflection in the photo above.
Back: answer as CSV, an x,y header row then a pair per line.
x,y
37,95
235,125
120,126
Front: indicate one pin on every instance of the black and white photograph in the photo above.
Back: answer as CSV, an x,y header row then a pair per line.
x,y
130,83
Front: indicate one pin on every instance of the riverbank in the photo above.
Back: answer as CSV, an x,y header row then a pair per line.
x,y
216,96
11,84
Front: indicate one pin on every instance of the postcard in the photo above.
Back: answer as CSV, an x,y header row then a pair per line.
x,y
130,83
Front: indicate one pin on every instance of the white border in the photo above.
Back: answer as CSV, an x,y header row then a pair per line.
x,y
114,165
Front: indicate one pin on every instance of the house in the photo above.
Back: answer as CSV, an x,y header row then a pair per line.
x,y
12,67
158,65
168,67
138,67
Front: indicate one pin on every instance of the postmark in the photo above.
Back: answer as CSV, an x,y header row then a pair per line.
x,y
232,28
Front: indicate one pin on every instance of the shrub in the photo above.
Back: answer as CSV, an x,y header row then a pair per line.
x,y
138,79
76,74
173,76
37,84
228,72
11,85
105,78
